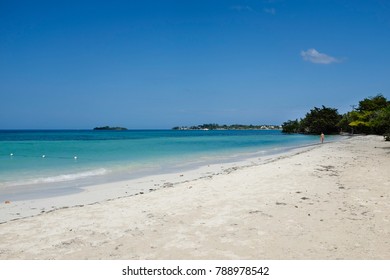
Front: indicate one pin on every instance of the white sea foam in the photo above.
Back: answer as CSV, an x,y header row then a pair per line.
x,y
59,178
74,176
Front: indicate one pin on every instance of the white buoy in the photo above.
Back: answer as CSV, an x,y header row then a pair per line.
x,y
75,157
11,154
43,156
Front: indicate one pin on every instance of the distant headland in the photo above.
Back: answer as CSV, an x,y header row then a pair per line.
x,y
109,128
227,127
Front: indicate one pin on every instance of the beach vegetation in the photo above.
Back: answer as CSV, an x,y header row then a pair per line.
x,y
317,121
214,126
371,116
291,126
372,104
321,120
381,122
343,124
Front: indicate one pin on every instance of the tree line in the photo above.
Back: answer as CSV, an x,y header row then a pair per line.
x,y
215,126
371,116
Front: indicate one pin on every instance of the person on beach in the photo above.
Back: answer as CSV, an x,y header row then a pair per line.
x,y
322,137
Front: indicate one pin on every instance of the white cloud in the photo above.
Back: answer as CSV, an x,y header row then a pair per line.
x,y
312,55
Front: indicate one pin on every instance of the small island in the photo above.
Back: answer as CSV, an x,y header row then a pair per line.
x,y
109,128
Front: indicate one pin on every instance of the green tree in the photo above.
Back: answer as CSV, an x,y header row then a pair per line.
x,y
321,120
371,104
380,122
291,126
343,124
360,121
370,116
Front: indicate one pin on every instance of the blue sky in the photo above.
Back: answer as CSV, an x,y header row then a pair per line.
x,y
158,64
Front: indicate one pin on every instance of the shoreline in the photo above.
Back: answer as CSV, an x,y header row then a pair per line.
x,y
331,199
46,170
52,199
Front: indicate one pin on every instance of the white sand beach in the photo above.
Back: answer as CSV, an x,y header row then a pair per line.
x,y
329,201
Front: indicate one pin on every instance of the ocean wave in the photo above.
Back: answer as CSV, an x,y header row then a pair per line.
x,y
59,178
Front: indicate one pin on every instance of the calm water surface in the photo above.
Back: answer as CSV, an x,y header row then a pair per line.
x,y
31,157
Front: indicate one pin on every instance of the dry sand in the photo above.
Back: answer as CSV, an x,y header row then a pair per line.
x,y
330,201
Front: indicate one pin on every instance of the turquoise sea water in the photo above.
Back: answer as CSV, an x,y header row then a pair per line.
x,y
76,157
